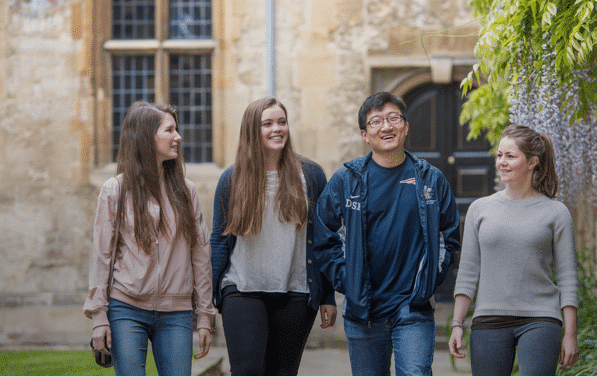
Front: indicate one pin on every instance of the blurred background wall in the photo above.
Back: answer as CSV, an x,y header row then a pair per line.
x,y
69,69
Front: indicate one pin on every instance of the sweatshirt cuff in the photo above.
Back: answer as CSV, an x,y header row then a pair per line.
x,y
100,318
205,323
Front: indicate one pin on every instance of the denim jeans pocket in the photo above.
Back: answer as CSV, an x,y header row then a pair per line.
x,y
408,316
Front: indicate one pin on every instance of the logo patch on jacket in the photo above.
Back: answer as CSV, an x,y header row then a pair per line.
x,y
352,203
429,195
411,180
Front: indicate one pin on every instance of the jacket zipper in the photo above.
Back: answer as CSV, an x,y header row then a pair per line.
x,y
361,183
425,241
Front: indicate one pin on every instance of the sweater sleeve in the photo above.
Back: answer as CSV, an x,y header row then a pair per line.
x,y
565,258
201,261
467,279
221,245
96,304
329,245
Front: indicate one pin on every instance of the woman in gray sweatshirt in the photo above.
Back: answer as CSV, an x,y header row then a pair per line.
x,y
512,240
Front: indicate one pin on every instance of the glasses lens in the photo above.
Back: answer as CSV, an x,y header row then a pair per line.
x,y
395,119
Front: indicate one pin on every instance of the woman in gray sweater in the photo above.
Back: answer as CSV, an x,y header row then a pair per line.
x,y
512,240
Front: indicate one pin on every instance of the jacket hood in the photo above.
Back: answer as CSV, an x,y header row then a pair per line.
x,y
359,164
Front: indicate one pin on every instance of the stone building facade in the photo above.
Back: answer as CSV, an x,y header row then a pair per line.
x,y
57,113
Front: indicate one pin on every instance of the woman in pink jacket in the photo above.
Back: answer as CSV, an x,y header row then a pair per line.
x,y
162,258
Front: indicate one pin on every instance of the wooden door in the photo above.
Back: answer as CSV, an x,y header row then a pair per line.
x,y
436,135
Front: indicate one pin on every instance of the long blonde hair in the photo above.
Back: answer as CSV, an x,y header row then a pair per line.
x,y
247,192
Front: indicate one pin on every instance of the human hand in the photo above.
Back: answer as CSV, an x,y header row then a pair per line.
x,y
455,343
328,315
204,343
568,351
100,334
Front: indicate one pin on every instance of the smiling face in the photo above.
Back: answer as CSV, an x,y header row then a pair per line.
x,y
512,164
274,130
167,139
387,138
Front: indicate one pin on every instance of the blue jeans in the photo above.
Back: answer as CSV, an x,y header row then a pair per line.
x,y
171,335
411,336
538,343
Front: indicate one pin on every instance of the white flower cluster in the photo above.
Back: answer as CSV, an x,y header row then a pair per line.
x,y
537,102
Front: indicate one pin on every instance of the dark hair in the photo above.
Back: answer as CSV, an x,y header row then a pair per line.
x,y
137,162
376,102
534,144
248,184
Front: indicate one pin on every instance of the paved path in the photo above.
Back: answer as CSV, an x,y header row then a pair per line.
x,y
333,362
327,355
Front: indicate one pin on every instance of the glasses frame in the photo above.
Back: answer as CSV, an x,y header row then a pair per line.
x,y
401,120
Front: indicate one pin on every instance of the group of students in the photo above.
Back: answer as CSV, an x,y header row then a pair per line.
x,y
383,232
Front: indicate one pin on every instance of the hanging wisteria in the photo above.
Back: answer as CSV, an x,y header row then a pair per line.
x,y
537,102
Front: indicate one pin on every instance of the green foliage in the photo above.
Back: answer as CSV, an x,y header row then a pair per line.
x,y
486,111
57,363
517,29
481,8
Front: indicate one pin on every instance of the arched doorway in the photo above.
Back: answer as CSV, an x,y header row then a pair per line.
x,y
436,135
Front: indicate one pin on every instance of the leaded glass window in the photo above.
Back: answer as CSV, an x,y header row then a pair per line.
x,y
151,63
133,19
133,79
190,19
190,89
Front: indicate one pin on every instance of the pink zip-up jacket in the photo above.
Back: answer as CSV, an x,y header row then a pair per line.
x,y
164,279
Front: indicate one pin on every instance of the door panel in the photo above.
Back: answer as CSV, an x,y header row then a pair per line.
x,y
423,115
436,135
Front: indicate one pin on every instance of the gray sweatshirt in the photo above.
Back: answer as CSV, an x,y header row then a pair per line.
x,y
508,251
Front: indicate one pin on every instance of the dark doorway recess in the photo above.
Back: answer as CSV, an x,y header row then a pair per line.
x,y
436,135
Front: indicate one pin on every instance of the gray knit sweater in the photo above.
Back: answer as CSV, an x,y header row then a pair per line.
x,y
508,251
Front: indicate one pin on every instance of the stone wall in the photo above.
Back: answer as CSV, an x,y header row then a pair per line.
x,y
45,210
330,55
325,51
46,205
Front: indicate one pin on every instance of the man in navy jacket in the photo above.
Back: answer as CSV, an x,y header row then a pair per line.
x,y
387,226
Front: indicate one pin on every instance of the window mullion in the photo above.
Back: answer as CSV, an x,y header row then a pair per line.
x,y
161,16
161,83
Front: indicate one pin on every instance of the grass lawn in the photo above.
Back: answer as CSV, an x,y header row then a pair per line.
x,y
58,363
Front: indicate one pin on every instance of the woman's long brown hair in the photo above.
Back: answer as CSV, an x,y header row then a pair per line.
x,y
531,143
137,161
247,191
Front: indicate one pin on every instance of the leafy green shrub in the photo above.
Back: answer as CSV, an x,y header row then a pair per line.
x,y
487,111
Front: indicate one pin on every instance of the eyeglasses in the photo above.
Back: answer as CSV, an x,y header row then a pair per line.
x,y
394,120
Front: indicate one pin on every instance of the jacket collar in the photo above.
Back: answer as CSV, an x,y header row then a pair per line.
x,y
359,164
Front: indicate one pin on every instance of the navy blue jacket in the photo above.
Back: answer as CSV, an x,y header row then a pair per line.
x,y
341,228
321,291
